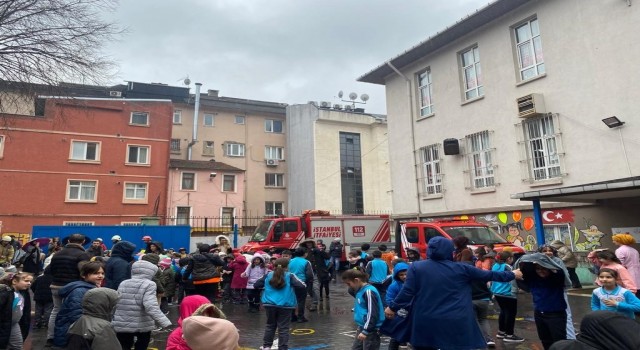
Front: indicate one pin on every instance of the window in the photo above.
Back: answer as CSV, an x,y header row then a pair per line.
x,y
426,93
560,233
239,119
430,232
234,149
183,214
138,155
273,208
412,235
471,73
188,181
228,183
226,218
177,116
1,146
432,178
273,152
175,145
130,223
139,118
479,158
351,174
82,150
529,49
208,120
274,180
274,126
207,148
135,192
78,223
81,191
543,157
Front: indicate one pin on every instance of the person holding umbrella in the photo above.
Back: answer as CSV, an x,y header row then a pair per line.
x,y
32,261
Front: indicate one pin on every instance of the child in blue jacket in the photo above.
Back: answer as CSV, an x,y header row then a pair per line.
x,y
368,311
397,327
612,297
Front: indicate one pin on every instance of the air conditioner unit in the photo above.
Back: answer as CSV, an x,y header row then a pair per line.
x,y
313,103
115,93
271,162
531,106
337,106
325,104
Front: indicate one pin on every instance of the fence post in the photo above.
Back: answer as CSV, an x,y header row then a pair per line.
x,y
235,235
206,229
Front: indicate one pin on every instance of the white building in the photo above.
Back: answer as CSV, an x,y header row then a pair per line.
x,y
522,86
338,161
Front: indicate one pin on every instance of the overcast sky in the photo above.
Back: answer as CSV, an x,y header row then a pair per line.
x,y
289,51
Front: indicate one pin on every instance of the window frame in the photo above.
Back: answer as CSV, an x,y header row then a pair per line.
x,y
278,180
78,223
224,183
230,145
178,113
538,67
480,160
278,150
542,143
172,143
204,120
187,217
269,126
182,179
208,151
2,141
479,87
86,142
431,184
134,200
131,121
271,210
236,120
223,218
429,90
68,198
138,163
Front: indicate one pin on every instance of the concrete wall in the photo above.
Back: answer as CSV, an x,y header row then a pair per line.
x,y
301,143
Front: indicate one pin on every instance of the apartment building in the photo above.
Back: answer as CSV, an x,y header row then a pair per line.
x,y
506,107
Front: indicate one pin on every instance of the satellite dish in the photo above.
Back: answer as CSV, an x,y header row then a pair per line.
x,y
187,81
340,94
364,97
353,96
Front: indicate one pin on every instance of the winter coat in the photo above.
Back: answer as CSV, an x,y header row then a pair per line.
x,y
93,330
335,249
565,254
138,310
284,297
118,267
71,309
630,259
317,259
6,253
204,266
254,273
603,330
439,289
64,264
167,278
31,261
188,308
41,288
398,327
238,265
7,297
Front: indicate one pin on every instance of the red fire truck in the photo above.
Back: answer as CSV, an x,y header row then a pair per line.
x,y
287,232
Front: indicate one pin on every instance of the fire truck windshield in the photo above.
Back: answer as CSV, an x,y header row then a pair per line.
x,y
476,234
262,231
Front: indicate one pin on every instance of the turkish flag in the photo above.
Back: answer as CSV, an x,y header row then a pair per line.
x,y
557,216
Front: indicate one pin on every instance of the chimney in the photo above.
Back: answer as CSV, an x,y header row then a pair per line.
x,y
213,93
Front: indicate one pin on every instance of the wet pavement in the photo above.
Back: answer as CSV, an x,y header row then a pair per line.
x,y
332,327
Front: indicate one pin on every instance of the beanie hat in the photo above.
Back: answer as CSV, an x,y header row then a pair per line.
x,y
152,258
166,262
204,333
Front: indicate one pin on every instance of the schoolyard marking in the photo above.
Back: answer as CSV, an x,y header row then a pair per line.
x,y
302,331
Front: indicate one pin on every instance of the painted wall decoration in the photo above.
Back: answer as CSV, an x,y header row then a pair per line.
x,y
592,236
634,231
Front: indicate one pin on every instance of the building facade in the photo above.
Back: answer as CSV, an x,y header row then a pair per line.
x,y
338,161
84,161
509,101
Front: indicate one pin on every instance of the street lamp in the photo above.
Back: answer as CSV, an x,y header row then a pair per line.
x,y
612,122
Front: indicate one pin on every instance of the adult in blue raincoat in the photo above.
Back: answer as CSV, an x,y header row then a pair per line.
x,y
438,291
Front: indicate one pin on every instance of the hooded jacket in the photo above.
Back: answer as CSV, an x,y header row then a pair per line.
x,y
603,330
399,327
188,306
439,289
118,267
396,285
71,309
254,273
204,266
204,333
565,254
137,309
93,330
238,266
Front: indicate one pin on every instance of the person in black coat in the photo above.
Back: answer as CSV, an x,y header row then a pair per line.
x,y
317,259
118,267
42,296
203,269
31,262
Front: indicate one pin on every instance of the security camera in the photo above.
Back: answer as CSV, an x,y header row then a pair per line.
x,y
212,175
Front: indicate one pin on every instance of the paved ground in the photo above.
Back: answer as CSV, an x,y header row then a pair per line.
x,y
331,327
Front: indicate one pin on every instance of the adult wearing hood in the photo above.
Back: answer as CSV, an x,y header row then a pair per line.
x,y
603,330
203,268
193,305
93,330
628,256
223,244
570,261
118,267
438,291
317,259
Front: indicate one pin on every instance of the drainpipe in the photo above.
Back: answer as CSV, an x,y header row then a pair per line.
x,y
196,111
413,134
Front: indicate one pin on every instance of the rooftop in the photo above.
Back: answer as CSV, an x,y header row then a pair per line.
x,y
202,165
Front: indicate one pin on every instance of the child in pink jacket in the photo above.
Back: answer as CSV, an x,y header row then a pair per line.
x,y
238,282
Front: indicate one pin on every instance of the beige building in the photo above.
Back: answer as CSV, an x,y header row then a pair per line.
x,y
338,161
245,134
506,107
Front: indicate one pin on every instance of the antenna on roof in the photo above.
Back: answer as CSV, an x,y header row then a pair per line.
x,y
352,98
186,81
